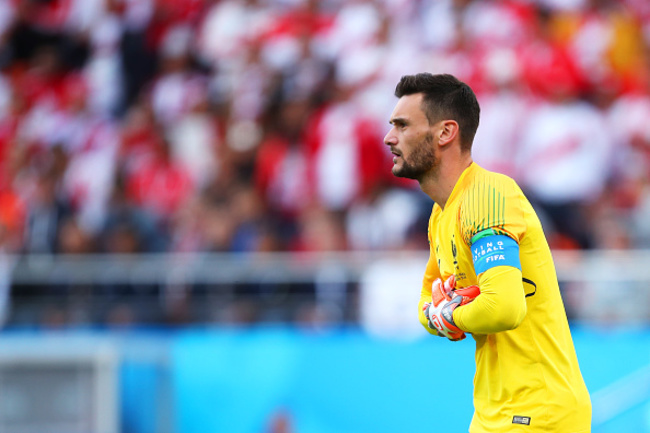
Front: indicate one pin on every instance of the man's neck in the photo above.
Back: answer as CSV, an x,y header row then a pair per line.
x,y
439,185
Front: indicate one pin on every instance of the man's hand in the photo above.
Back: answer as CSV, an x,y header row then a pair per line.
x,y
425,309
443,303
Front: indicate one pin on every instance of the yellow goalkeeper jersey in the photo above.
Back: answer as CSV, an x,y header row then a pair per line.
x,y
527,375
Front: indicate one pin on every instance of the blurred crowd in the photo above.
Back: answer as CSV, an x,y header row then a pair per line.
x,y
256,125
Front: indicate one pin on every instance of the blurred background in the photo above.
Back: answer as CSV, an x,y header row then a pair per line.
x,y
200,232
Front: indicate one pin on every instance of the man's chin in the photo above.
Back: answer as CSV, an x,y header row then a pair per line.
x,y
401,172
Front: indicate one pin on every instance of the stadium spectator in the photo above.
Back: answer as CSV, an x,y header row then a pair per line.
x,y
160,185
288,94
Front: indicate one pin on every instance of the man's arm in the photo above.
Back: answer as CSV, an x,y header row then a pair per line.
x,y
501,305
492,223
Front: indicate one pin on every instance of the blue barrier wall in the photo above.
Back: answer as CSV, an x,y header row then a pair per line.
x,y
348,382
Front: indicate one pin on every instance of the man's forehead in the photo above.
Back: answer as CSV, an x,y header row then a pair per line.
x,y
408,106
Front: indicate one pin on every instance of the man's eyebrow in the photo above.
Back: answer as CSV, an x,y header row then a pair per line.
x,y
397,120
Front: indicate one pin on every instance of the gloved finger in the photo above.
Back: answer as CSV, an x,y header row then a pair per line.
x,y
438,294
450,283
457,337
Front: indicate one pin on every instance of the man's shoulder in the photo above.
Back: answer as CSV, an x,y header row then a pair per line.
x,y
488,185
487,176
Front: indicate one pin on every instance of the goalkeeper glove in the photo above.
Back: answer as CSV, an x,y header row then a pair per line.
x,y
444,300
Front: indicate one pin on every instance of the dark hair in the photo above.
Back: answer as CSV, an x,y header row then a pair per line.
x,y
445,97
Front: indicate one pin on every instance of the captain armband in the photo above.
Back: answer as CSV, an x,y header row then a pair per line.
x,y
490,249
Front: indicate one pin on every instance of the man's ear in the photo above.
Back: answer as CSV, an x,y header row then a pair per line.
x,y
448,132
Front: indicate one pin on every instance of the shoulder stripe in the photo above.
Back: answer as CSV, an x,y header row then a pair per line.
x,y
484,207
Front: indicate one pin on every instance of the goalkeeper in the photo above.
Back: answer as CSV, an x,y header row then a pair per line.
x,y
483,232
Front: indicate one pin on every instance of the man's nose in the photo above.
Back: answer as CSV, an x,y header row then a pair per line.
x,y
390,138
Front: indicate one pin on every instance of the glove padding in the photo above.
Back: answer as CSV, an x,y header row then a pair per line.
x,y
444,300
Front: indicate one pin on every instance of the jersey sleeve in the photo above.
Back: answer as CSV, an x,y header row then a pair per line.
x,y
500,307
